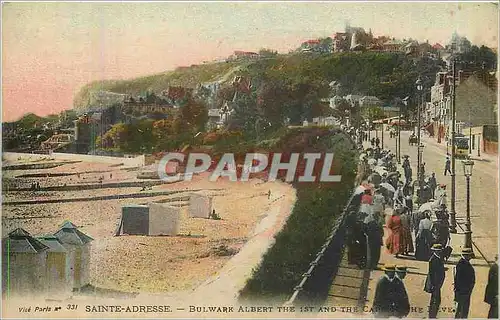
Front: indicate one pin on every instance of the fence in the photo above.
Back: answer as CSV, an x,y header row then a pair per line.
x,y
316,282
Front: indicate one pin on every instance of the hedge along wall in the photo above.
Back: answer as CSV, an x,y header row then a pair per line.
x,y
317,207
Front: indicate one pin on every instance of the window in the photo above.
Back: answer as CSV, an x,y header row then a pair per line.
x,y
462,143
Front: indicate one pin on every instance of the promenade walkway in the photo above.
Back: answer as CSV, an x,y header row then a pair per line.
x,y
355,288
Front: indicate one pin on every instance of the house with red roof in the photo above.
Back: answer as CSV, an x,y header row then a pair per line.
x,y
437,47
313,45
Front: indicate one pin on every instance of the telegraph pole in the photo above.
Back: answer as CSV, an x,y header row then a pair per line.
x,y
419,90
453,222
382,135
398,150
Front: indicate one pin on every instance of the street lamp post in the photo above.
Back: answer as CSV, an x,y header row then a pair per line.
x,y
419,160
453,221
382,135
398,149
398,138
468,165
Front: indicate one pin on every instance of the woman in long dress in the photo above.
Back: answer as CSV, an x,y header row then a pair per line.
x,y
406,239
424,239
393,243
374,234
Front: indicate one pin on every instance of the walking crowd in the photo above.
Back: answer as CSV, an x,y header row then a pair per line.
x,y
427,223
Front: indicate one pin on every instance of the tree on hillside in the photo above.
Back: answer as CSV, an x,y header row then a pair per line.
x,y
325,45
306,97
224,94
477,56
267,53
272,100
115,138
28,121
342,108
246,116
193,116
373,113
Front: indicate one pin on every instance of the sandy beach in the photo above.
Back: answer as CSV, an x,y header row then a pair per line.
x,y
145,264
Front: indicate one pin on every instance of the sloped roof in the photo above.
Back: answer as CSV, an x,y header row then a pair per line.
x,y
68,225
393,42
69,234
411,44
20,241
315,41
53,243
19,232
375,46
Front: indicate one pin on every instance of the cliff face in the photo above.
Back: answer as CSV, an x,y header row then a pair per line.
x,y
103,94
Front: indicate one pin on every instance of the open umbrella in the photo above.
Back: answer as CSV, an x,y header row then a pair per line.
x,y
360,190
380,170
387,187
428,206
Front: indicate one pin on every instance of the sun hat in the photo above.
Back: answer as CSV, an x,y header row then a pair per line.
x,y
389,267
400,268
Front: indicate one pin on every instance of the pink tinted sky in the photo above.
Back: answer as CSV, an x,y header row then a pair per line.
x,y
50,50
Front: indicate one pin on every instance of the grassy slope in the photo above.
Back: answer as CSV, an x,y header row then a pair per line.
x,y
188,77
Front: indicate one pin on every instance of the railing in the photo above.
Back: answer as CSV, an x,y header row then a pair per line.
x,y
316,281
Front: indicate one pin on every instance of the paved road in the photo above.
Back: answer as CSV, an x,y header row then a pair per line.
x,y
484,192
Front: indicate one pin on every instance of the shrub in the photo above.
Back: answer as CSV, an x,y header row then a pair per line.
x,y
316,209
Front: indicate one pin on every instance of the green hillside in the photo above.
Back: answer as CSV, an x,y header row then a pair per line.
x,y
184,76
289,85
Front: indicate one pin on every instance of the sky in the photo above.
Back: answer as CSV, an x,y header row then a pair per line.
x,y
51,50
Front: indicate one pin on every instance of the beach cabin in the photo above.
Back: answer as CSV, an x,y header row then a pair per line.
x,y
78,246
58,267
153,220
23,264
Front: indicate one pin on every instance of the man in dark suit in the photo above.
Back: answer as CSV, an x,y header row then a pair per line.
x,y
385,300
435,280
491,292
403,304
464,281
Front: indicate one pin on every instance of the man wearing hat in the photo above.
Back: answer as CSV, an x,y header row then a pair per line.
x,y
374,235
406,162
403,305
435,279
464,281
433,184
385,301
447,166
491,292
